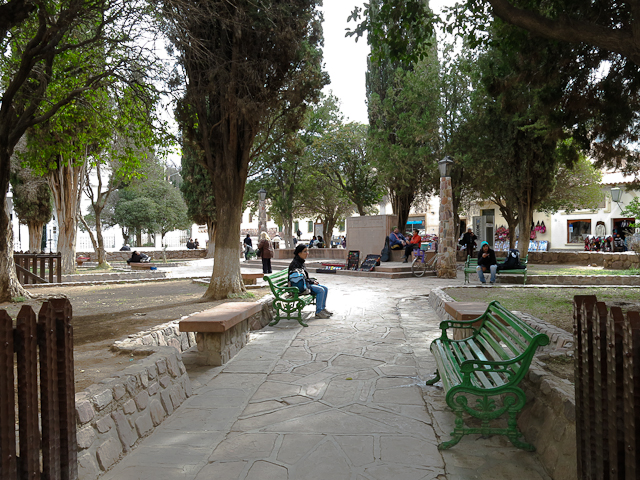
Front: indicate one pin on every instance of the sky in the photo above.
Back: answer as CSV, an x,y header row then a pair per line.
x,y
346,61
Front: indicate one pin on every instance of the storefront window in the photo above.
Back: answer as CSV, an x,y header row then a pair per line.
x,y
577,230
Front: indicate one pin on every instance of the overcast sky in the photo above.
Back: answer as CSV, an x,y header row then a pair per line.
x,y
346,60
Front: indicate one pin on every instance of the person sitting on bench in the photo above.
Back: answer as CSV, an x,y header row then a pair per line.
x,y
137,257
397,240
486,263
413,244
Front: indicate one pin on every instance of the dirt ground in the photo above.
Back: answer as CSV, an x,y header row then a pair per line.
x,y
103,314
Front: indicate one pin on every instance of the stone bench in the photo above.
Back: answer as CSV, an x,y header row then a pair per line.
x,y
221,331
463,311
251,278
141,266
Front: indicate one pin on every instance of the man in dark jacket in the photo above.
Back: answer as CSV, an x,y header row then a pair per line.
x,y
248,246
469,241
486,263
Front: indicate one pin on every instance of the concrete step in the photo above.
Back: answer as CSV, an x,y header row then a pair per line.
x,y
374,274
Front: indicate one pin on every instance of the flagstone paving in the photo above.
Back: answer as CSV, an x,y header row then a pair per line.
x,y
342,399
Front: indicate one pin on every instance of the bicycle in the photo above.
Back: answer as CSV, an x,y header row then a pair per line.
x,y
419,266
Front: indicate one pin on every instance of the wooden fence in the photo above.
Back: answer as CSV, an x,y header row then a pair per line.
x,y
607,381
27,267
50,452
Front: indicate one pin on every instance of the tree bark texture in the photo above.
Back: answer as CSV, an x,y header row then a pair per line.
x,y
226,278
211,246
401,207
66,183
35,236
9,285
288,232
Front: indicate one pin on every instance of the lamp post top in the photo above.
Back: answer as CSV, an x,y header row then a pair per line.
x,y
262,193
445,165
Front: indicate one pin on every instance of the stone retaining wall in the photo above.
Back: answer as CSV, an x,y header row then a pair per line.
x,y
114,415
153,254
612,260
580,280
112,275
169,334
558,338
339,254
548,418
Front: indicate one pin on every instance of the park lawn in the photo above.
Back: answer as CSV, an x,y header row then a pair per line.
x,y
585,271
554,305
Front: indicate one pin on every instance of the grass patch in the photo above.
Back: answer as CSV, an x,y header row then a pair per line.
x,y
554,305
18,299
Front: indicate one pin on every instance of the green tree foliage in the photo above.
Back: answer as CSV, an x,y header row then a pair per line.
x,y
283,168
516,139
246,64
404,131
197,192
152,206
325,202
341,154
49,60
577,188
32,202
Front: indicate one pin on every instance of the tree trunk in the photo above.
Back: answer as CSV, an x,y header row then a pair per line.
x,y
9,285
525,215
138,238
66,184
211,246
226,278
35,236
402,207
288,233
97,241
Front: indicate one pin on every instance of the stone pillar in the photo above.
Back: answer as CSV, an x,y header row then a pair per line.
x,y
446,265
262,217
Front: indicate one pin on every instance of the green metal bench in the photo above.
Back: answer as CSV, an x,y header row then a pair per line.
x,y
471,264
491,362
288,300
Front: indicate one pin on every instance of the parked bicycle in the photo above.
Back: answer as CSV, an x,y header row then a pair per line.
x,y
420,264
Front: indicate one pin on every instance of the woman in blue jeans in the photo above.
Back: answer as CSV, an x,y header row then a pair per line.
x,y
320,291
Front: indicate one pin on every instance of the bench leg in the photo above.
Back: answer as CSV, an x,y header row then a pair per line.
x,y
277,310
434,380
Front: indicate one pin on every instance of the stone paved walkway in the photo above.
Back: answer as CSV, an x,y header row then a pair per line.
x,y
342,399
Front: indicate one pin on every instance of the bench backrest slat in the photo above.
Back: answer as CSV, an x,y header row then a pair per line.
x,y
279,279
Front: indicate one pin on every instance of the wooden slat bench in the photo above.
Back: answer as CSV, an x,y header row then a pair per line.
x,y
141,265
489,363
288,300
221,331
472,263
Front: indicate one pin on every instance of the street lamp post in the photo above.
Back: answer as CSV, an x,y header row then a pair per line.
x,y
446,265
262,211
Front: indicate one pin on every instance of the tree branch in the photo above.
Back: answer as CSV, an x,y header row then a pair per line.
x,y
570,30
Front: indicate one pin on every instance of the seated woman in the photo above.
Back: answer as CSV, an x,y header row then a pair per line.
x,y
413,244
320,291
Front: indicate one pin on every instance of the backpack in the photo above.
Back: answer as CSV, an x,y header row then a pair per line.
x,y
512,262
298,279
385,254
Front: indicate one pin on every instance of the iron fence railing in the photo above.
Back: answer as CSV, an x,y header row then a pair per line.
x,y
607,382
